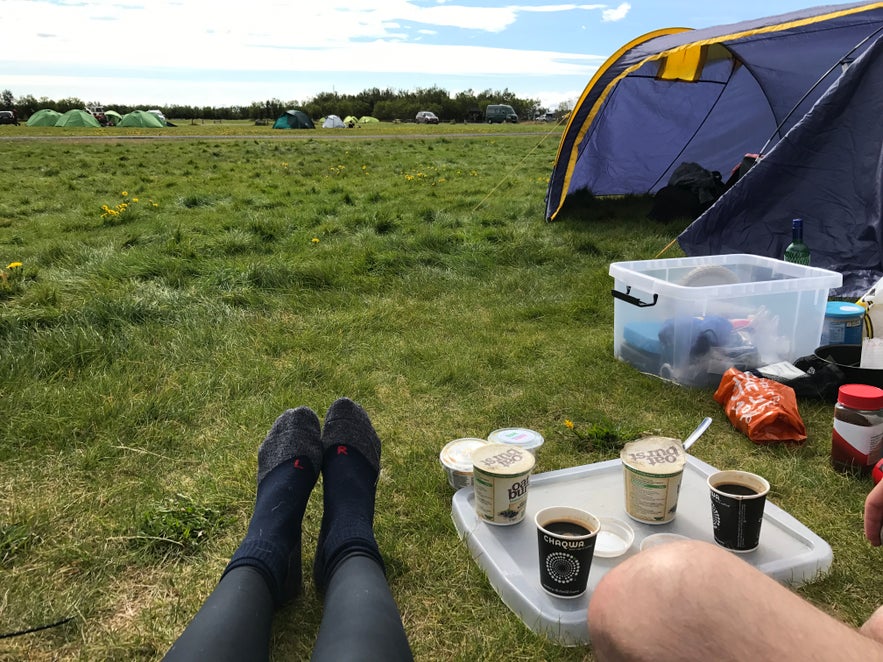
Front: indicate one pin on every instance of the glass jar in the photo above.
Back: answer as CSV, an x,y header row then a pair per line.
x,y
858,428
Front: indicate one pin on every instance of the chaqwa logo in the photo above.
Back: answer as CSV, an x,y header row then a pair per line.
x,y
565,544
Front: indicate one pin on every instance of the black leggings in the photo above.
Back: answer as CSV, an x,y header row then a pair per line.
x,y
360,620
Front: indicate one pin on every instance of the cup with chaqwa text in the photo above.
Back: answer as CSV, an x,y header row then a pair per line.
x,y
652,471
737,502
566,539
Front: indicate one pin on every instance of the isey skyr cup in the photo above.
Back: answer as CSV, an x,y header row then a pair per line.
x,y
521,437
456,458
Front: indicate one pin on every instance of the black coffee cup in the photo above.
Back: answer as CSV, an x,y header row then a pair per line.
x,y
566,541
737,501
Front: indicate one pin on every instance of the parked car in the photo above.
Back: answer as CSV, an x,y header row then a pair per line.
x,y
546,117
427,117
98,113
8,117
499,113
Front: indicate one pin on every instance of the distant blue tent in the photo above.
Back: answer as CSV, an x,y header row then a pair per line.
x,y
827,170
294,119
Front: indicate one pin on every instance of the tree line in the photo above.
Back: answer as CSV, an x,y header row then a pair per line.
x,y
384,104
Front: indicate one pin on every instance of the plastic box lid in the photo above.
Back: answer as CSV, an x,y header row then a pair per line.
x,y
727,276
789,552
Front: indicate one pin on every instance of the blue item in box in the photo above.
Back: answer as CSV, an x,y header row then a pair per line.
x,y
643,336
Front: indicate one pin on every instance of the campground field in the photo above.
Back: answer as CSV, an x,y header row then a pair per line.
x,y
175,294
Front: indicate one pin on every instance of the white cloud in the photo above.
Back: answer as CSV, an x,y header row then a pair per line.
x,y
616,14
50,39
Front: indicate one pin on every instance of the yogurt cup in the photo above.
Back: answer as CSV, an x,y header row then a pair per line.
x,y
652,469
500,480
521,437
456,458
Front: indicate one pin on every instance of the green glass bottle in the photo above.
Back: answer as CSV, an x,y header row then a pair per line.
x,y
797,251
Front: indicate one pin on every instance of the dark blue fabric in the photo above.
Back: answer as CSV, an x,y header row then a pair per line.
x,y
630,130
828,170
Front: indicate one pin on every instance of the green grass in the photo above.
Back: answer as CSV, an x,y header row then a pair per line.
x,y
144,355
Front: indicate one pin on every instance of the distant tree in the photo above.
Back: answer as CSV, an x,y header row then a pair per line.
x,y
27,106
64,105
7,99
564,107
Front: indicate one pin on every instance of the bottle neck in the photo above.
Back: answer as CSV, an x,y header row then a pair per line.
x,y
797,232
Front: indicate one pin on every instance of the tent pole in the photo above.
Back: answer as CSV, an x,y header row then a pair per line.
x,y
814,86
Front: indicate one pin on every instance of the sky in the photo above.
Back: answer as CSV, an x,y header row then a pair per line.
x,y
221,53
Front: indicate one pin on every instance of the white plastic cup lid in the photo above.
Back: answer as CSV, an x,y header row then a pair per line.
x,y
457,454
521,437
614,539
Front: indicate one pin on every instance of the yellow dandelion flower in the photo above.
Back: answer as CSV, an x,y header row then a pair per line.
x,y
134,199
568,424
315,240
124,193
13,265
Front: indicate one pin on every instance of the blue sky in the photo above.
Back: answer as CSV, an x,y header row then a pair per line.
x,y
219,53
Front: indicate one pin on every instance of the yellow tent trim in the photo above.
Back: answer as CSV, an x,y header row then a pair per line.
x,y
685,65
599,102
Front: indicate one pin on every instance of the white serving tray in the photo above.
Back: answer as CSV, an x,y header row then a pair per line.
x,y
789,552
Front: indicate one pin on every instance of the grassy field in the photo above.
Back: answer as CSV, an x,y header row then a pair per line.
x,y
175,295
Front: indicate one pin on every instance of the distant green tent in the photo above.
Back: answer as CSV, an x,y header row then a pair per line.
x,y
294,119
351,120
141,118
44,117
77,117
367,119
113,117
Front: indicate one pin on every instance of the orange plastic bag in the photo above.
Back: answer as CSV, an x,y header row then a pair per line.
x,y
762,409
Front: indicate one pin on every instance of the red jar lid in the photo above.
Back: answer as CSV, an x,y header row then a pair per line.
x,y
860,396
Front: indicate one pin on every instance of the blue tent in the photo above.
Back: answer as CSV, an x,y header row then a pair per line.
x,y
706,96
294,119
828,170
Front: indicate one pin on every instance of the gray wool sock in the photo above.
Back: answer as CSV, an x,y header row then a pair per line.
x,y
289,460
350,467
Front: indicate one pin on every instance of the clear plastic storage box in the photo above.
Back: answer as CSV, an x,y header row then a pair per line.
x,y
689,319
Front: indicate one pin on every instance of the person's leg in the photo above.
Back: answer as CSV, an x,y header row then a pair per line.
x,y
695,601
361,620
265,571
233,623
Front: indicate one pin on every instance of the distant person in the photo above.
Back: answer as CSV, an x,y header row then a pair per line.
x,y
696,601
360,620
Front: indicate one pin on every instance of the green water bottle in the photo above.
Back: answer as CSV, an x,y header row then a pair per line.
x,y
797,251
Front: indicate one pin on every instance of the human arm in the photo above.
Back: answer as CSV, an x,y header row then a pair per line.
x,y
874,514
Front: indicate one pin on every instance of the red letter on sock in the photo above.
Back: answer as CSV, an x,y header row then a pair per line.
x,y
341,450
297,464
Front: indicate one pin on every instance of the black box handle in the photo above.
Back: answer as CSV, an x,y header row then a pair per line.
x,y
635,301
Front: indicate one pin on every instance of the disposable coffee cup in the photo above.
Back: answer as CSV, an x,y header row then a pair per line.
x,y
737,501
652,470
566,539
